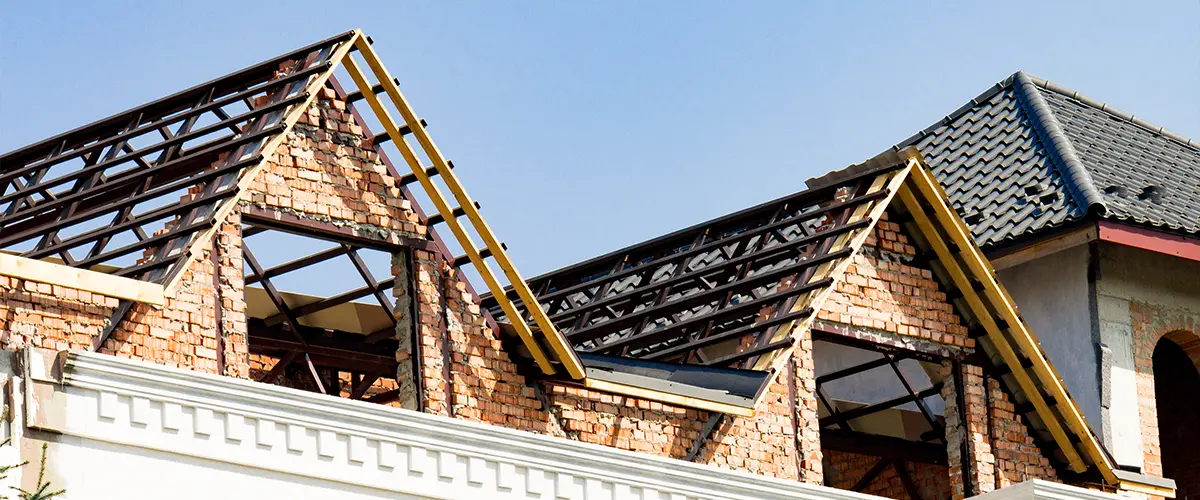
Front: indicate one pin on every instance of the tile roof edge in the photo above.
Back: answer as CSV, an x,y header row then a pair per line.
x,y
979,99
1061,150
1116,113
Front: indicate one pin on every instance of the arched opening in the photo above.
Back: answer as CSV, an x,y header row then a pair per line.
x,y
1176,389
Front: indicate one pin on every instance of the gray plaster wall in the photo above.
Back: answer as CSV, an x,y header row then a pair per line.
x,y
1053,296
1130,274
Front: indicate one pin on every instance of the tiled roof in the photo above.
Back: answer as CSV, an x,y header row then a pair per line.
x,y
1029,155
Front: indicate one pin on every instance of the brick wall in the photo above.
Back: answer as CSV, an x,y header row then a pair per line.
x,y
887,289
323,172
462,356
1151,324
845,470
1000,450
181,333
1017,457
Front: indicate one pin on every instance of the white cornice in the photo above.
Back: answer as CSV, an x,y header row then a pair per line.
x,y
1036,489
133,403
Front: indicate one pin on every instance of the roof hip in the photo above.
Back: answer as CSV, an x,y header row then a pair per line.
x,y
1061,150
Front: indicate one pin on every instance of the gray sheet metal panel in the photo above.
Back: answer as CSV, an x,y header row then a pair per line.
x,y
722,385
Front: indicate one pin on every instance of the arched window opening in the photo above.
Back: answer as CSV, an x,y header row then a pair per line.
x,y
1177,397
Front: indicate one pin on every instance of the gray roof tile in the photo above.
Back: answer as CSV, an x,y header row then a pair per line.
x,y
1028,155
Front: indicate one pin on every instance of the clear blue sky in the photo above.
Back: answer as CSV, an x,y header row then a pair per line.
x,y
583,127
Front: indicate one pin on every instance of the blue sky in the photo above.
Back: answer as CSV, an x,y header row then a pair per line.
x,y
582,127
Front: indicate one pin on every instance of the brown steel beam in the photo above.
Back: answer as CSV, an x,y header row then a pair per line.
x,y
883,446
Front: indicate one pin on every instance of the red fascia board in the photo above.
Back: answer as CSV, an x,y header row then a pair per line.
x,y
1150,239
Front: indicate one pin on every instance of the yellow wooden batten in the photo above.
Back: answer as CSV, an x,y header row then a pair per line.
x,y
665,397
81,279
563,351
956,230
911,182
342,57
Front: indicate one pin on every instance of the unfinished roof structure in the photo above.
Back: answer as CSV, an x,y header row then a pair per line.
x,y
138,195
739,291
1042,156
716,322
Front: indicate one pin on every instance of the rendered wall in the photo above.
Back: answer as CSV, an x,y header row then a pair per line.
x,y
1142,297
1053,297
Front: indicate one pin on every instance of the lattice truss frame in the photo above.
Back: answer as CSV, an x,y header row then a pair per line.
x,y
134,190
138,194
728,292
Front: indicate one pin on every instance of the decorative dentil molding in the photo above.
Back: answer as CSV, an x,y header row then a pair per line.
x,y
133,403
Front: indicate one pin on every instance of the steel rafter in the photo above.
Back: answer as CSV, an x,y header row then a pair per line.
x,y
284,336
714,293
134,191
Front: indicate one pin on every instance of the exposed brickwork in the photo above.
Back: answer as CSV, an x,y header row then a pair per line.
x,y
50,316
324,171
1017,457
844,470
885,290
483,383
1000,449
762,444
1151,324
181,333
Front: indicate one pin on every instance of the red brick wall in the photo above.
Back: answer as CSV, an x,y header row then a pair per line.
x,y
487,387
1000,449
762,444
181,333
884,289
323,172
1151,324
1017,458
844,470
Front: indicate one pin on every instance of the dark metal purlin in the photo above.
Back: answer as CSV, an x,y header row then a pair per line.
x,y
297,264
833,410
906,480
280,365
169,154
871,474
367,381
709,426
114,321
960,400
670,298
933,423
883,446
365,273
166,106
335,300
884,405
292,321
94,177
